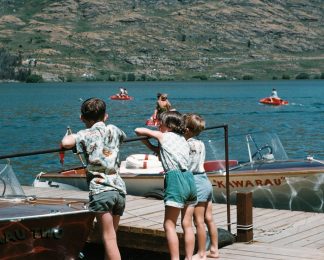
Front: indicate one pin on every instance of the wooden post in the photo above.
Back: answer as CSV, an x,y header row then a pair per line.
x,y
244,217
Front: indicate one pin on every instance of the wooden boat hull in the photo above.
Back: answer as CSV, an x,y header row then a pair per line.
x,y
296,190
43,228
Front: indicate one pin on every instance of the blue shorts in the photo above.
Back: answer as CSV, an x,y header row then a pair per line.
x,y
180,189
204,187
108,201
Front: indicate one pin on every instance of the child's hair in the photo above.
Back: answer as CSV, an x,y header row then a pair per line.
x,y
173,120
93,109
194,123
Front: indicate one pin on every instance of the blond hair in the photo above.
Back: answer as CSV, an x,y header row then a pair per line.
x,y
194,123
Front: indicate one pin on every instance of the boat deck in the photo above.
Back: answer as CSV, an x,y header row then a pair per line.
x,y
277,234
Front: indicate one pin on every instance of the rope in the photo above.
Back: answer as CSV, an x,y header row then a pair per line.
x,y
244,227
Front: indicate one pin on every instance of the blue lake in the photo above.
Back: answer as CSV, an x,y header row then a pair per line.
x,y
35,116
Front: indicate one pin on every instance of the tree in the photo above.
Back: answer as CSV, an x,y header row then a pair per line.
x,y
10,66
131,77
302,75
34,79
247,77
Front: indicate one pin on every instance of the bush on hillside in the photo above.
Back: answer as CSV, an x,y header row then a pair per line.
x,y
201,77
131,77
247,77
285,76
302,75
22,74
112,78
33,78
10,67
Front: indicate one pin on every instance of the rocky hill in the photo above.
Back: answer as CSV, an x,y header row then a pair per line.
x,y
165,39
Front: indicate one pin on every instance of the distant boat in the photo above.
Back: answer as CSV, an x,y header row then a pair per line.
x,y
121,97
152,122
273,101
40,228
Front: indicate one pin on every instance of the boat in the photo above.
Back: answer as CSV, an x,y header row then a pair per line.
x,y
258,163
40,228
121,97
152,122
273,101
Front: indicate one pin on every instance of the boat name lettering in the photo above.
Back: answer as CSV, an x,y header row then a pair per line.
x,y
249,183
14,235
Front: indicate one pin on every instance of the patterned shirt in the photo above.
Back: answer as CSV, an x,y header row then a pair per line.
x,y
197,155
100,143
174,152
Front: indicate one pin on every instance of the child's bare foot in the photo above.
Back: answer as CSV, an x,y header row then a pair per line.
x,y
213,254
199,257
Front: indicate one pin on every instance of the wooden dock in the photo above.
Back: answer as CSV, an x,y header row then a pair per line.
x,y
277,234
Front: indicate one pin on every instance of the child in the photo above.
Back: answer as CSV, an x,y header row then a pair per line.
x,y
180,190
203,210
100,143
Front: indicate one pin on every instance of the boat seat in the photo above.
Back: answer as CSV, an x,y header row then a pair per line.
x,y
124,170
216,165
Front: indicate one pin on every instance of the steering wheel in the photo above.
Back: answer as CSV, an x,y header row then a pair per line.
x,y
266,149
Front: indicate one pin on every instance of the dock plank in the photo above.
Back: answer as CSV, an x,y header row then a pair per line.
x,y
261,251
295,230
293,239
269,219
311,241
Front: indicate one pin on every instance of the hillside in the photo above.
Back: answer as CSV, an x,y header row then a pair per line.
x,y
166,39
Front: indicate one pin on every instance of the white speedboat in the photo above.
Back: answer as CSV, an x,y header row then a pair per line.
x,y
258,164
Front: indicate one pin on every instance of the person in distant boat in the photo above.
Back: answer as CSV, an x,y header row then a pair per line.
x,y
274,96
203,210
274,93
107,191
123,92
162,105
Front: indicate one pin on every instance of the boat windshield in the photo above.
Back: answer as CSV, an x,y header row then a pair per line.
x,y
247,148
9,184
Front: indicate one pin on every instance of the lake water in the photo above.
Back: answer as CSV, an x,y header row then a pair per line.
x,y
35,116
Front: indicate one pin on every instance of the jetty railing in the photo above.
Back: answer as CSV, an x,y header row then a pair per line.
x,y
133,139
